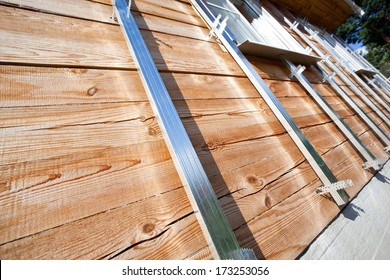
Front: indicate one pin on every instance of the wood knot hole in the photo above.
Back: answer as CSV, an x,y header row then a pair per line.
x,y
267,201
152,131
148,228
92,91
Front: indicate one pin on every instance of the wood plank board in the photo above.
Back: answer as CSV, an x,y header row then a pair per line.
x,y
170,9
103,13
72,8
105,235
67,41
101,45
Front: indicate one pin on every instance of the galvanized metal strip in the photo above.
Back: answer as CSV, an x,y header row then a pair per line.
x,y
346,79
294,26
372,83
360,81
383,84
385,139
345,129
319,166
220,237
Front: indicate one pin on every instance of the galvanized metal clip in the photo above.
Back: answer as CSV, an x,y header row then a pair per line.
x,y
340,185
295,24
328,77
314,34
218,27
325,58
375,164
333,190
308,50
297,71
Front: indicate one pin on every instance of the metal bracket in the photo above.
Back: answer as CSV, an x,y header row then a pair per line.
x,y
215,30
314,34
333,188
370,81
294,25
297,71
387,149
325,58
308,50
113,15
375,164
328,77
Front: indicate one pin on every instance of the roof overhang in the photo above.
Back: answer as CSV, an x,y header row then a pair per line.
x,y
325,14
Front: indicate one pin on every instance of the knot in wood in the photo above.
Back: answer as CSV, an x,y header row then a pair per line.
x,y
267,201
254,181
152,131
92,91
148,228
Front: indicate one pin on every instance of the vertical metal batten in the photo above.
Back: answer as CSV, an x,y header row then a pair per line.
x,y
372,162
322,170
372,83
356,90
355,107
220,237
360,81
383,82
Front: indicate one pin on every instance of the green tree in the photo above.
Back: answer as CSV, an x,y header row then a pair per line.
x,y
372,29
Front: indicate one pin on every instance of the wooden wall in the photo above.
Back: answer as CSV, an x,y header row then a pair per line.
x,y
84,170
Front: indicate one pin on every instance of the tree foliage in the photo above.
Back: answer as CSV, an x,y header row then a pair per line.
x,y
372,29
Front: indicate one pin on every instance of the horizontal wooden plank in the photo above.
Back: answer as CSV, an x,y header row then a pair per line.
x,y
171,53
38,143
171,23
101,45
56,191
171,9
43,86
178,242
169,26
67,41
106,234
282,233
74,8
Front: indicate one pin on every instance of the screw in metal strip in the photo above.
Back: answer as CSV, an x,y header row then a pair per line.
x,y
376,164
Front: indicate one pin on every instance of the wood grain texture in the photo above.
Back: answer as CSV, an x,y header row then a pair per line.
x,y
103,13
68,41
170,9
45,86
79,142
106,234
72,8
101,45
